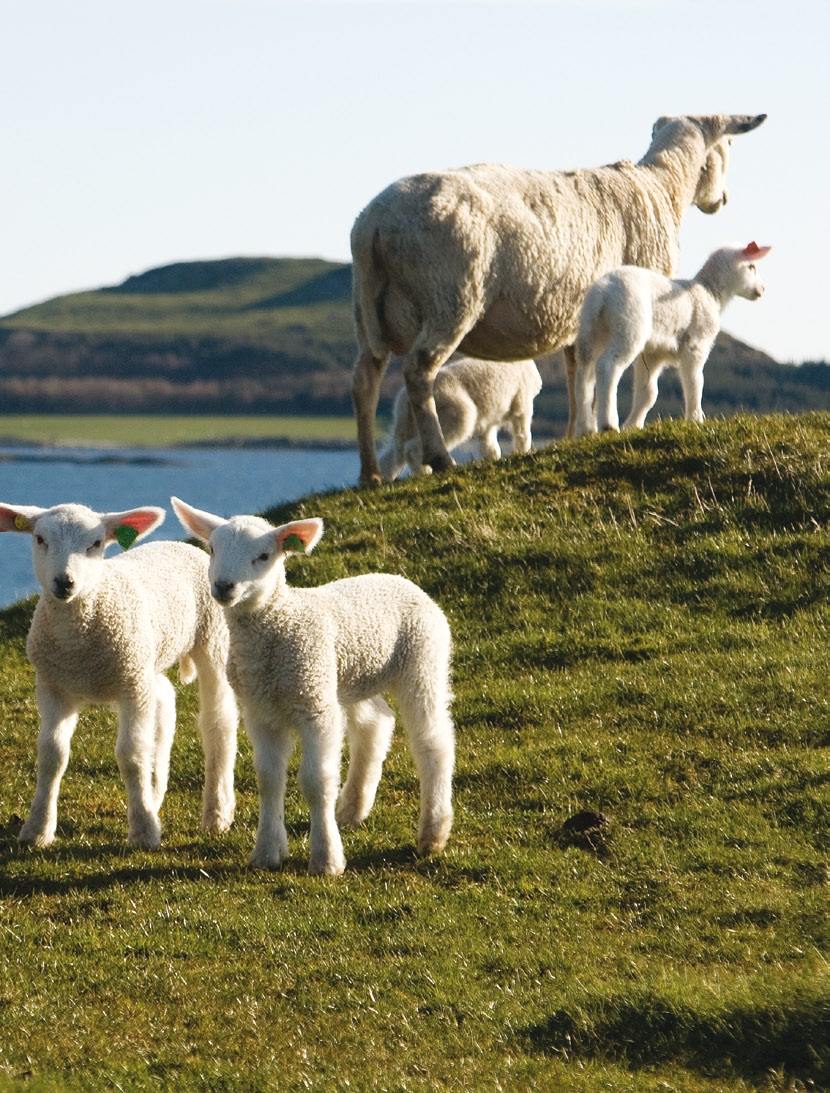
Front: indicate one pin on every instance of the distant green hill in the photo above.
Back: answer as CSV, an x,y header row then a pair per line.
x,y
275,335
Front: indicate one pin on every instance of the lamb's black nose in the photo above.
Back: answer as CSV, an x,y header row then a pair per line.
x,y
223,590
63,587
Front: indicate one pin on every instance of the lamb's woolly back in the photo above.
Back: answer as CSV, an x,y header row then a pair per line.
x,y
636,316
494,260
309,660
474,399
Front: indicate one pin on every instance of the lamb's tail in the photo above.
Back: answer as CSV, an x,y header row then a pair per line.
x,y
187,669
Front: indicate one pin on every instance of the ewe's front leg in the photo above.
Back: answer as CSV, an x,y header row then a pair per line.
x,y
319,776
136,755
272,749
58,719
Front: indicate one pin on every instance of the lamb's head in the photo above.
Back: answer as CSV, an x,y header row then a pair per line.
x,y
746,281
247,554
69,541
708,139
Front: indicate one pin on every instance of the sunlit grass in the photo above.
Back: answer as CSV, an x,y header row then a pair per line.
x,y
640,626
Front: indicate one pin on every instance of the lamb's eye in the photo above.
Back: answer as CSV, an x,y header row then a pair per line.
x,y
41,542
95,546
263,557
751,268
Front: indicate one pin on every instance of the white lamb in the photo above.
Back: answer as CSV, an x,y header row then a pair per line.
x,y
104,631
635,316
305,660
473,398
494,260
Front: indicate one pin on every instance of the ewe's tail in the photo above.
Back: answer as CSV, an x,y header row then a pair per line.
x,y
369,284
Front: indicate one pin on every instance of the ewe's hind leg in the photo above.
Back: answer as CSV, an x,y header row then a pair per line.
x,y
319,776
369,726
569,353
218,721
368,372
419,370
57,724
165,730
645,392
135,752
272,749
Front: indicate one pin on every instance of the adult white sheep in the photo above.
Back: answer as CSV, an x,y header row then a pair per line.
x,y
636,316
104,631
473,398
494,260
304,660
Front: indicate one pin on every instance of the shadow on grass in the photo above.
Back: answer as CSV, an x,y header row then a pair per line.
x,y
789,1035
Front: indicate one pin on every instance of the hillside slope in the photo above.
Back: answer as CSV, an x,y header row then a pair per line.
x,y
275,335
640,626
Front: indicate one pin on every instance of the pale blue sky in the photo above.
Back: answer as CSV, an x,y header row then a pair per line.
x,y
141,133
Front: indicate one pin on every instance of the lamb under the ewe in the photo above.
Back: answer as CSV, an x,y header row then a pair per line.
x,y
474,398
635,316
104,632
307,660
494,261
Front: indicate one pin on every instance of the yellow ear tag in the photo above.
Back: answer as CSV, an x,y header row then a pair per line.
x,y
125,536
21,523
293,542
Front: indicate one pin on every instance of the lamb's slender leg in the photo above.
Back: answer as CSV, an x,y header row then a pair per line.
x,y
369,726
165,730
272,749
520,427
431,740
368,373
569,353
218,721
135,753
419,369
489,445
644,396
319,777
58,719
691,379
610,368
585,383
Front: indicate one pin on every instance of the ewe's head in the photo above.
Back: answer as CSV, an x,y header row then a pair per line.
x,y
68,541
707,139
246,553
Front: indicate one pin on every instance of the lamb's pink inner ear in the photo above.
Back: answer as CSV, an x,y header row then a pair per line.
x,y
299,536
10,520
752,252
140,520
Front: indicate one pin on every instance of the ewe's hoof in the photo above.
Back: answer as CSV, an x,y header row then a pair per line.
x,y
440,463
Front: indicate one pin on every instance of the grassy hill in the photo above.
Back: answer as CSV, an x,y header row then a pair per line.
x,y
641,625
274,335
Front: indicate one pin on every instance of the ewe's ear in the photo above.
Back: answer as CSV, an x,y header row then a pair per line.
x,y
300,536
125,527
19,517
752,252
196,521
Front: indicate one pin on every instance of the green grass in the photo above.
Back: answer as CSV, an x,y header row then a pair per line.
x,y
641,625
159,430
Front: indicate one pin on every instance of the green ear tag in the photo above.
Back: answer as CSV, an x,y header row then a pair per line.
x,y
125,536
293,542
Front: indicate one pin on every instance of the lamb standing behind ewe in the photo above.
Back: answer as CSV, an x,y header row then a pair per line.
x,y
474,398
494,261
304,660
636,316
104,631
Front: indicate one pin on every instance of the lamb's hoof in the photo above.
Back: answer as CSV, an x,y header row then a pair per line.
x,y
433,839
328,867
35,839
216,823
146,837
260,860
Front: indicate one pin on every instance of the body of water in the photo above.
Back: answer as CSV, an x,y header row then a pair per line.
x,y
222,480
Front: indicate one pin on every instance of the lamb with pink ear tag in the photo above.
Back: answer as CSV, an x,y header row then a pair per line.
x,y
634,316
